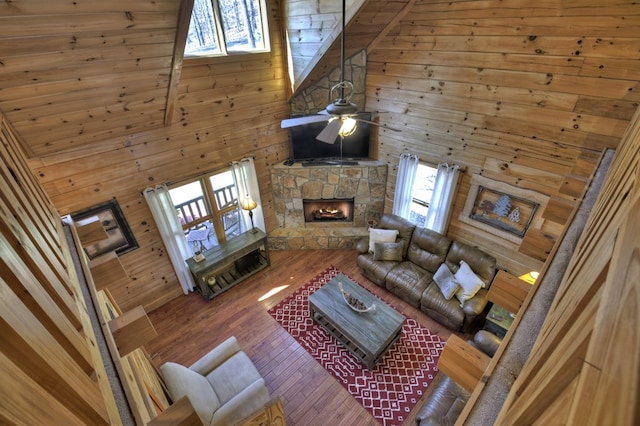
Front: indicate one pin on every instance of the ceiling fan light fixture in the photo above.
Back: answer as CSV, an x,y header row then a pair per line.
x,y
340,107
348,126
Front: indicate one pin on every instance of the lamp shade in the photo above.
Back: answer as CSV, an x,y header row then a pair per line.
x,y
247,203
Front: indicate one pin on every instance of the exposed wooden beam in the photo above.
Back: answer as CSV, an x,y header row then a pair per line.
x,y
182,30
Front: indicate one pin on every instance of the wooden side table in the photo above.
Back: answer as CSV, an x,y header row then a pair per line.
x,y
498,321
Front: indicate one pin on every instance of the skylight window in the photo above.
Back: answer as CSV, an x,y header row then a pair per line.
x,y
221,27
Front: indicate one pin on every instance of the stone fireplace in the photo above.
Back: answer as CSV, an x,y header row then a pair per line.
x,y
358,190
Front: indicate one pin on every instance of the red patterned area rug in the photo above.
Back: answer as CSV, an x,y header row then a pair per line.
x,y
393,387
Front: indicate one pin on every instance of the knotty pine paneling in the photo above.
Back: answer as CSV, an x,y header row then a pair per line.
x,y
81,73
523,94
226,108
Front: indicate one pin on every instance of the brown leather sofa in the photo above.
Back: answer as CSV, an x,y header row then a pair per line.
x,y
446,401
411,276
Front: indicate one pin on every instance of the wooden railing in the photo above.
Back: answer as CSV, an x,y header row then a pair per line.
x,y
194,211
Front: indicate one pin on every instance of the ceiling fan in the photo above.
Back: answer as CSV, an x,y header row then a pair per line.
x,y
341,114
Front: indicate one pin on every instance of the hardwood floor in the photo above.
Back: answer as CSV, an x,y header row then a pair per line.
x,y
189,326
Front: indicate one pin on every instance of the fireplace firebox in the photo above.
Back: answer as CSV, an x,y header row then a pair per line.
x,y
328,210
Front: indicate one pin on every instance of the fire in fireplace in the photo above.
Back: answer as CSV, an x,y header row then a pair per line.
x,y
335,209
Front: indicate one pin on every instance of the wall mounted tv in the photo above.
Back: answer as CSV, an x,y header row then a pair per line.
x,y
305,146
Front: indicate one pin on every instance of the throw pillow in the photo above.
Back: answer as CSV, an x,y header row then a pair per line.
x,y
446,281
381,236
469,282
388,251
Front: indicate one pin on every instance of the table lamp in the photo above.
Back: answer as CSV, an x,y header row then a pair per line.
x,y
248,204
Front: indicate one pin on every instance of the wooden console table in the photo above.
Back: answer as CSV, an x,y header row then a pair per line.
x,y
227,264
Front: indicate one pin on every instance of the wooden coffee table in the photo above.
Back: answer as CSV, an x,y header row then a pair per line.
x,y
366,335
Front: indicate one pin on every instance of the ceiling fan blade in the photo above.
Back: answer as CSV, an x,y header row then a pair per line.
x,y
330,133
298,121
377,124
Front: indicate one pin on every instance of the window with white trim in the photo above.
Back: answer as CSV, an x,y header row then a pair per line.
x,y
208,209
222,27
421,193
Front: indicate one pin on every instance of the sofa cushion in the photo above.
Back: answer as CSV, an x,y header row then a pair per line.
x,y
182,381
375,270
428,249
408,281
388,251
446,312
483,264
234,375
469,282
243,405
446,281
404,227
381,236
216,356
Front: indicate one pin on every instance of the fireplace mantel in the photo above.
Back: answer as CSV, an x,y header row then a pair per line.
x,y
365,182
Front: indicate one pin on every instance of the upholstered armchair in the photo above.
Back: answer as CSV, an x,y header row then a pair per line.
x,y
223,386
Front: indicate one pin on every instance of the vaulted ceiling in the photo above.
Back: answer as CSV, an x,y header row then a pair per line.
x,y
77,73
315,49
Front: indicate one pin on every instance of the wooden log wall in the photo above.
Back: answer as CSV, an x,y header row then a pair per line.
x,y
524,95
51,366
86,88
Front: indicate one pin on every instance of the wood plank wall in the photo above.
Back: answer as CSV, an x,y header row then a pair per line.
x,y
309,25
226,109
585,365
523,94
50,362
86,71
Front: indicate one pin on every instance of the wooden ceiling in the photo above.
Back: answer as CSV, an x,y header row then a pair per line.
x,y
78,73
316,51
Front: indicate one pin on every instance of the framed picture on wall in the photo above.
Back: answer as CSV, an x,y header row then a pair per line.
x,y
503,211
119,237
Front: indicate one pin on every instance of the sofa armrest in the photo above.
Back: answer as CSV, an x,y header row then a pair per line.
x,y
362,245
487,342
444,404
216,356
474,306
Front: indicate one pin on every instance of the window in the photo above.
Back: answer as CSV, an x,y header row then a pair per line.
x,y
220,27
421,195
208,209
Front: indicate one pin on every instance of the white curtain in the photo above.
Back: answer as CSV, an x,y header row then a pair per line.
x,y
444,189
244,173
166,218
407,169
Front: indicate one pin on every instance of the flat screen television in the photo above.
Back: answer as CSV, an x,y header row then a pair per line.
x,y
305,146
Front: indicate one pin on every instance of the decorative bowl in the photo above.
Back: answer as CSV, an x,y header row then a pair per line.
x,y
354,303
